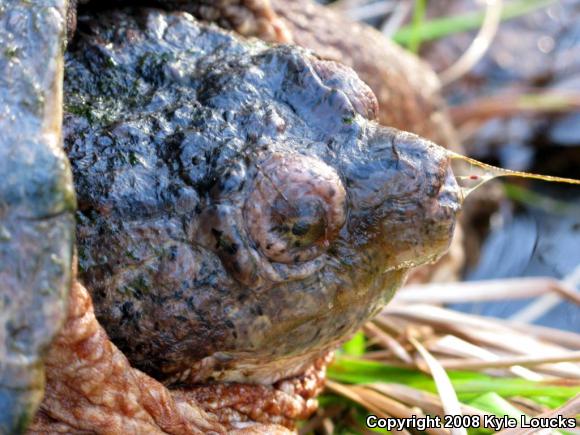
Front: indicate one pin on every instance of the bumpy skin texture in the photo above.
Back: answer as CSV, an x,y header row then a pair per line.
x,y
182,139
282,403
36,202
407,89
91,388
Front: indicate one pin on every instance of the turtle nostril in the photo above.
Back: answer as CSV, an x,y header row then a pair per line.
x,y
450,191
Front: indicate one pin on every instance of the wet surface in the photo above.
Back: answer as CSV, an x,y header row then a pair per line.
x,y
239,208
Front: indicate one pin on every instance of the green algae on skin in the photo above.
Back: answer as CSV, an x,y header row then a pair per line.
x,y
267,214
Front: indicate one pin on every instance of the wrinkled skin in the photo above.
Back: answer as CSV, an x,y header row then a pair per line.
x,y
239,212
36,203
91,388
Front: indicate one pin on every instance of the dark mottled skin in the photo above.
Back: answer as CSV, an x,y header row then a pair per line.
x,y
36,202
407,89
171,126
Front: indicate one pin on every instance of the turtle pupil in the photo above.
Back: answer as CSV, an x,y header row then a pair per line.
x,y
300,228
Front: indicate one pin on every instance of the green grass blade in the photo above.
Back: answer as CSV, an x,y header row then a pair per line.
x,y
411,35
494,403
356,346
417,24
468,385
536,200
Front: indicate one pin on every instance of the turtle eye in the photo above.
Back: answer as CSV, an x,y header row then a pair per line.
x,y
302,223
307,229
295,209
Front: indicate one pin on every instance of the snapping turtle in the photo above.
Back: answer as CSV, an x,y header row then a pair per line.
x,y
36,203
239,214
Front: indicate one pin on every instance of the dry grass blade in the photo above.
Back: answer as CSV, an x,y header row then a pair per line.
x,y
566,369
506,105
536,309
428,402
570,410
388,342
517,363
443,384
370,11
541,306
397,18
508,362
485,332
396,329
380,355
320,418
476,328
348,392
519,288
356,397
562,338
479,45
450,344
527,406
395,408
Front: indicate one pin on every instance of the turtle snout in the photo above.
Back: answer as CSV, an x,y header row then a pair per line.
x,y
404,198
448,199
